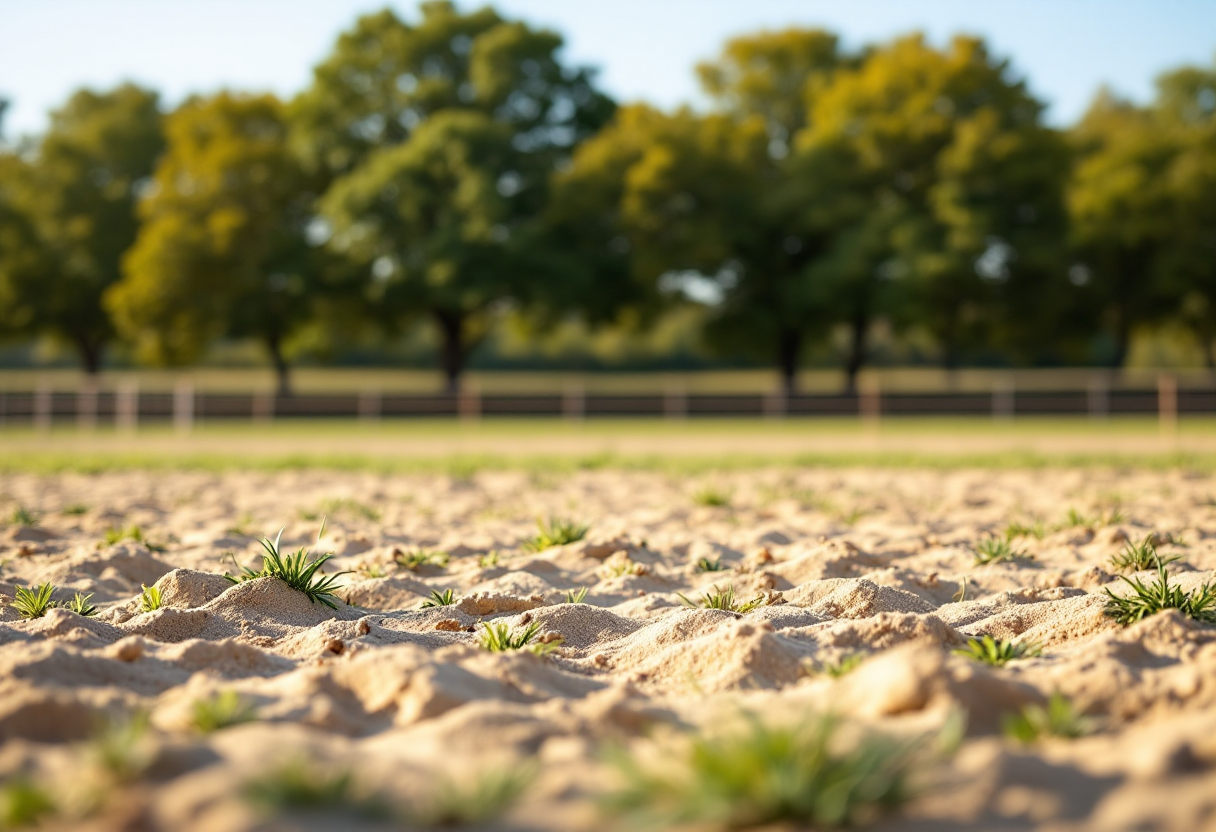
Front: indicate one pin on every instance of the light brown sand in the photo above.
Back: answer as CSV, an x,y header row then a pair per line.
x,y
849,561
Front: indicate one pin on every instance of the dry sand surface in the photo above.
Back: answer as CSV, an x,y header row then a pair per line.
x,y
404,699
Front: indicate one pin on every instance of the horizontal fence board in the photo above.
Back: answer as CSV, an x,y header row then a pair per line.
x,y
109,406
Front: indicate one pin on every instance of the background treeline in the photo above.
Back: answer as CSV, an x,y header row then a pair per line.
x,y
455,174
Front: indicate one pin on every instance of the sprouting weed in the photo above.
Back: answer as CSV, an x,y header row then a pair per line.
x,y
1172,539
33,603
998,652
1058,719
998,550
707,565
473,799
1014,530
223,710
296,570
297,786
620,564
75,509
22,516
850,517
135,534
555,531
421,557
841,666
710,497
23,803
1136,557
767,775
149,599
576,596
1152,598
123,748
370,571
722,599
488,560
498,638
1075,519
440,599
81,606
961,596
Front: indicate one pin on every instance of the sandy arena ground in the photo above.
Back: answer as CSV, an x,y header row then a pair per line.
x,y
404,699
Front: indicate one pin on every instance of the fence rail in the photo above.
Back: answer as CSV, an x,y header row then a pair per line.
x,y
126,407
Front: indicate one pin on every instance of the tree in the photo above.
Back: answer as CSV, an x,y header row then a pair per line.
x,y
224,248
494,87
962,209
1122,215
690,201
1186,109
73,196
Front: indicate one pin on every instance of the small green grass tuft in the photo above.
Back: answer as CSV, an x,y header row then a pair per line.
x,y
998,652
1058,719
1136,557
498,638
474,799
33,602
415,558
710,497
842,666
576,596
370,571
769,775
75,509
80,604
1149,599
149,599
440,599
295,570
345,505
123,747
225,709
707,565
998,550
135,534
1014,530
489,560
722,599
298,787
555,531
24,802
22,516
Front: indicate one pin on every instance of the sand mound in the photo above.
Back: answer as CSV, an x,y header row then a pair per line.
x,y
854,598
742,655
393,593
880,632
495,603
582,626
1048,623
186,588
114,572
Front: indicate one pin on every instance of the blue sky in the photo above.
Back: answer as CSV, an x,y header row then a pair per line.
x,y
645,49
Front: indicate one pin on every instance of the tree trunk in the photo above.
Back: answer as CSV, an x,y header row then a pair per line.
x,y
789,346
857,352
282,372
90,354
1123,338
452,351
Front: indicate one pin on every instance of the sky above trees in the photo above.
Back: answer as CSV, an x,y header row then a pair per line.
x,y
645,49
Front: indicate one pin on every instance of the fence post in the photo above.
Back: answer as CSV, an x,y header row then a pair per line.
x,y
126,406
183,406
1098,398
675,401
869,401
86,404
1003,391
42,407
262,407
776,404
1167,403
574,401
369,405
468,403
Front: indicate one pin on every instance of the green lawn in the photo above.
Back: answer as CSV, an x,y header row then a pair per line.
x,y
555,444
